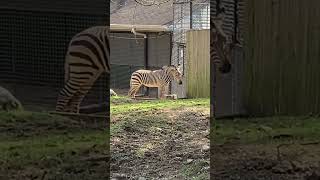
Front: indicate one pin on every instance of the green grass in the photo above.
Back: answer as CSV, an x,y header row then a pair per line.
x,y
195,171
266,130
29,150
138,123
14,116
120,105
46,142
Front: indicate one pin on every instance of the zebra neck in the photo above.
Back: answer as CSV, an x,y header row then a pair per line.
x,y
167,76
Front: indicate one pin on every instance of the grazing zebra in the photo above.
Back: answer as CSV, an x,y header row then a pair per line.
x,y
86,59
220,44
160,78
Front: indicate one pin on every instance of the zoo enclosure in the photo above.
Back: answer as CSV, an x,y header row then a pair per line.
x,y
33,44
130,53
187,15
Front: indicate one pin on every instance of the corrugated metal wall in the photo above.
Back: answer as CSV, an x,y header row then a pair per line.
x,y
33,43
283,57
128,55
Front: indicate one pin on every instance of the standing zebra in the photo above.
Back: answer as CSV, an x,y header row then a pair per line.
x,y
159,78
86,59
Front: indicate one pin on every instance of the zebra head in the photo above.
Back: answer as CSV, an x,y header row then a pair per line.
x,y
174,71
220,44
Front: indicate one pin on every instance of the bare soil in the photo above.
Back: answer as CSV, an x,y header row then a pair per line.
x,y
278,161
162,144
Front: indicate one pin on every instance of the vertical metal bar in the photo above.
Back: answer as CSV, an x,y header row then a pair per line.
x,y
171,49
235,39
146,58
191,15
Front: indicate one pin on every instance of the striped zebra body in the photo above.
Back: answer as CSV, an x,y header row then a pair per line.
x,y
220,44
229,22
159,78
86,59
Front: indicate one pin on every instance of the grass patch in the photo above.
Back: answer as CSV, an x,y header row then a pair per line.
x,y
41,141
195,170
138,124
266,130
59,147
24,116
120,105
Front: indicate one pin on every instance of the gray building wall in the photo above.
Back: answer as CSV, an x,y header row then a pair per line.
x,y
128,55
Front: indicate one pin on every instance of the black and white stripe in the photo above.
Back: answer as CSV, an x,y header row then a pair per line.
x,y
159,78
230,19
86,59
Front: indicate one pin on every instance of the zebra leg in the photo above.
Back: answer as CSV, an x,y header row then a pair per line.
x,y
76,100
65,96
166,90
133,90
161,92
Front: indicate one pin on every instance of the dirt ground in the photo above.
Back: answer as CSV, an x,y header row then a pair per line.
x,y
172,143
282,151
254,162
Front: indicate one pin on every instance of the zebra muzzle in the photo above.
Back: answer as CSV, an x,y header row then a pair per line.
x,y
180,82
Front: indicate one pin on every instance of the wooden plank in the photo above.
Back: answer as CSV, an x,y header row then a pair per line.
x,y
79,115
282,58
198,63
138,28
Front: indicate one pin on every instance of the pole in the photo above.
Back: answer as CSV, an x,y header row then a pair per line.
x,y
190,14
146,59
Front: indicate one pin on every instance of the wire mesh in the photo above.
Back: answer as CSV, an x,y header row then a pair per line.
x,y
187,15
32,51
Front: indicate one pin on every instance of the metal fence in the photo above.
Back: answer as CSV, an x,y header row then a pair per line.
x,y
32,51
187,15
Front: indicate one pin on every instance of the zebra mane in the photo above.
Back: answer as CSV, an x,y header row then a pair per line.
x,y
171,68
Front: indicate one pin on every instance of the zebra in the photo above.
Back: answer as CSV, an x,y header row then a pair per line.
x,y
160,78
86,59
220,44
